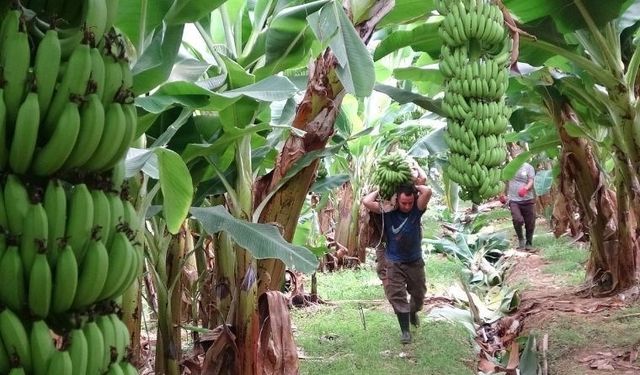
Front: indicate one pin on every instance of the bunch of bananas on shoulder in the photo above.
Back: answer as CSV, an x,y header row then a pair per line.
x,y
67,230
475,58
391,171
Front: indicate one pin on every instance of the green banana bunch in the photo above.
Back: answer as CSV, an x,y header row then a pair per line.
x,y
476,80
391,171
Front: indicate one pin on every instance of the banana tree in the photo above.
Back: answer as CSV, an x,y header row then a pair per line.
x,y
598,89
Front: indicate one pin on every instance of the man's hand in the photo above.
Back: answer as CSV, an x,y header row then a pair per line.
x,y
523,191
502,198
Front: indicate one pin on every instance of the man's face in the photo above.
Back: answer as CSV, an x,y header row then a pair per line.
x,y
405,202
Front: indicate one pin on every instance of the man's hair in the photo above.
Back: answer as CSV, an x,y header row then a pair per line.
x,y
406,189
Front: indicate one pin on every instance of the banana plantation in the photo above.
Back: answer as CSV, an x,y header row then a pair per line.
x,y
175,173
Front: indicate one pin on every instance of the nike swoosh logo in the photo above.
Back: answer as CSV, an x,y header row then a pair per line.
x,y
397,230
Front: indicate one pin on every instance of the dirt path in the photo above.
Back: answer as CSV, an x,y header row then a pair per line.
x,y
555,312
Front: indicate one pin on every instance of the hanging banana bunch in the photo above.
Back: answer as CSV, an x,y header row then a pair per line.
x,y
67,229
474,60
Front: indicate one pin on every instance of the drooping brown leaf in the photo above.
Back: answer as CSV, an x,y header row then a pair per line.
x,y
277,352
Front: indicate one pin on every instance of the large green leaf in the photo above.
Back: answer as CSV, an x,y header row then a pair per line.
x,y
403,96
176,186
186,11
426,74
156,62
512,167
431,144
565,12
543,181
420,36
195,96
131,15
230,136
355,66
407,11
288,39
329,183
263,241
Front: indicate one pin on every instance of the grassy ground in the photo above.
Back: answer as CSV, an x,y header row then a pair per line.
x,y
357,333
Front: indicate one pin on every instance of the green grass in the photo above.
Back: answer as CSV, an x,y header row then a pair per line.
x,y
566,261
333,339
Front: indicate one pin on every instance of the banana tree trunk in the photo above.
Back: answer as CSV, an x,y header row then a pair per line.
x,y
316,115
612,265
169,343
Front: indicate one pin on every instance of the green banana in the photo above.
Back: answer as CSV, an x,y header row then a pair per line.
x,y
93,274
45,68
10,25
128,368
115,130
79,220
60,363
107,329
96,349
55,204
115,369
112,79
25,135
4,151
97,71
122,336
12,280
51,157
40,286
42,347
112,12
5,362
16,61
117,216
96,16
15,338
65,281
121,254
17,371
78,352
34,236
74,84
102,224
16,203
131,123
91,128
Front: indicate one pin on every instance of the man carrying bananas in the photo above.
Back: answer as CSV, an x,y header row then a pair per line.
x,y
405,270
521,199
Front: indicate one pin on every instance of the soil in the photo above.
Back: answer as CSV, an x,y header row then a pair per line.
x,y
546,302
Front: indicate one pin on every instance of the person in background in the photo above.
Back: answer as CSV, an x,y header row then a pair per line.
x,y
521,200
403,263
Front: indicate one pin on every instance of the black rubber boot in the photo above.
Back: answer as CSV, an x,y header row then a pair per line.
x,y
414,319
403,319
